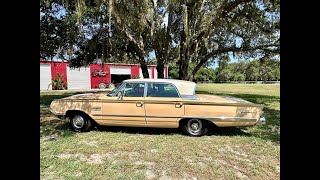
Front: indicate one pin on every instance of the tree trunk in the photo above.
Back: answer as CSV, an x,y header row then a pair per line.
x,y
184,45
160,68
144,68
183,68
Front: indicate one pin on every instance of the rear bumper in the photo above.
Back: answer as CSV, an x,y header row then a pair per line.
x,y
261,121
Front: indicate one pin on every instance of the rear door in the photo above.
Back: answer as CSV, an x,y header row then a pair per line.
x,y
163,105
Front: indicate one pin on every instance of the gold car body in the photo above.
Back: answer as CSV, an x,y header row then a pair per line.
x,y
162,112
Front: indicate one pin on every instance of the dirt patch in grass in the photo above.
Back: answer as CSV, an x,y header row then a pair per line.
x,y
90,159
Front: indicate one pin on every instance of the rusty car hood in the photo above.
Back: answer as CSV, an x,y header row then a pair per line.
x,y
85,96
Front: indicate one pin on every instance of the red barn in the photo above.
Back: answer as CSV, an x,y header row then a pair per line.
x,y
94,76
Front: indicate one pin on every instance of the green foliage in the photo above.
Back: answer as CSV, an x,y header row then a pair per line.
x,y
268,70
224,75
173,71
185,33
205,74
58,83
238,77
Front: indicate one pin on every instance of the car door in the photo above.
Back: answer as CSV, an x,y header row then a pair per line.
x,y
163,105
128,110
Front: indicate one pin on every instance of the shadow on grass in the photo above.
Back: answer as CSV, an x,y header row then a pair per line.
x,y
230,131
51,128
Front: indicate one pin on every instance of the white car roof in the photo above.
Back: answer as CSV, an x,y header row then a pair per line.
x,y
184,87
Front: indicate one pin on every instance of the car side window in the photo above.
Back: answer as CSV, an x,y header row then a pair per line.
x,y
161,90
133,90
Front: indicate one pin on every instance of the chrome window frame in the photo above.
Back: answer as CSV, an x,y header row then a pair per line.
x,y
124,84
136,83
116,93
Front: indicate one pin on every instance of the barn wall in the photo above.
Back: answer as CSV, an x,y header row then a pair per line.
x,y
134,71
99,79
81,78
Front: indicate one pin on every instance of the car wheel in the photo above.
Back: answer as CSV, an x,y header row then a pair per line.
x,y
80,123
194,127
102,85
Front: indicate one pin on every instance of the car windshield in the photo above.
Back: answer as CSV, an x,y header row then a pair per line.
x,y
113,91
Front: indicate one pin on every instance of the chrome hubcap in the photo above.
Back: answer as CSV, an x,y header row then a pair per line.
x,y
194,126
78,121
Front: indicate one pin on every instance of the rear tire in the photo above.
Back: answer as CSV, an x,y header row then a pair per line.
x,y
194,127
79,123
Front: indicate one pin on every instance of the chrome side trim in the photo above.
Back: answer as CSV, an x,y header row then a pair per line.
x,y
222,104
133,115
222,119
210,118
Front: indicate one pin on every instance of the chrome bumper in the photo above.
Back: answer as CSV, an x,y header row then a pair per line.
x,y
261,121
51,110
59,115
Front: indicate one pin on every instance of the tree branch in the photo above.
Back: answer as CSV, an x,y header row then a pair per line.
x,y
232,6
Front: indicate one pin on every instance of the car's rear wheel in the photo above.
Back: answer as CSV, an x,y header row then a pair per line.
x,y
194,127
80,123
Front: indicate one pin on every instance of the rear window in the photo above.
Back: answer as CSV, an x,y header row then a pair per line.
x,y
161,90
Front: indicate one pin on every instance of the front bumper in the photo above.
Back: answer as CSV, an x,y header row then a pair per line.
x,y
261,121
59,115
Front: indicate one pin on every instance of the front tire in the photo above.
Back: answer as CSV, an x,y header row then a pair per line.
x,y
194,127
79,123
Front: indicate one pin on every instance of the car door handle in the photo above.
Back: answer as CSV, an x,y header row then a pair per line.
x,y
178,105
139,104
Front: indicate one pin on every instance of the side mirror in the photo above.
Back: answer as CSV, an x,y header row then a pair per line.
x,y
120,95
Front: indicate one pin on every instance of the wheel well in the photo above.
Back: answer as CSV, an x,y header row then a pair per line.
x,y
71,113
206,122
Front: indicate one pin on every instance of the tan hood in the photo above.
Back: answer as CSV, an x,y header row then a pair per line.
x,y
86,96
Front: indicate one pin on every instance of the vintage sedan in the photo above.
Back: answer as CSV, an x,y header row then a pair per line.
x,y
160,103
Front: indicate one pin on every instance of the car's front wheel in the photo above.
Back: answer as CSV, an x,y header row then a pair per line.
x,y
80,123
194,127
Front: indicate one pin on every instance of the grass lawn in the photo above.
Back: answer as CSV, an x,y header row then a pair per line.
x,y
145,153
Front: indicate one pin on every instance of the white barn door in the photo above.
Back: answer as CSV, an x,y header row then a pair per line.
x,y
79,78
120,70
45,76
